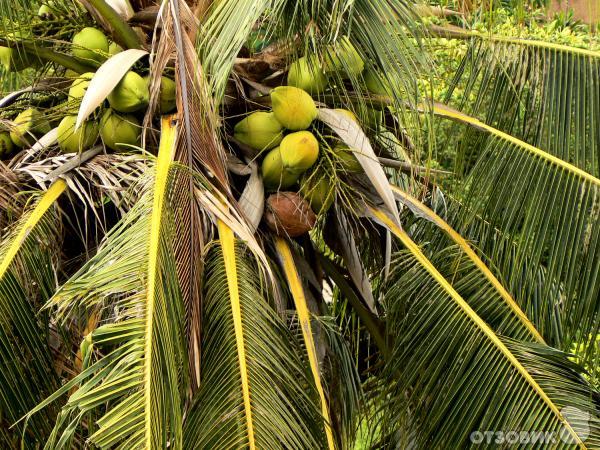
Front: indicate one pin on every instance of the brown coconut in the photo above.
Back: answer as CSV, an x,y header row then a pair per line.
x,y
288,214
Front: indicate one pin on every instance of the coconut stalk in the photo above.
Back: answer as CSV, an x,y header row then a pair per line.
x,y
370,321
46,54
123,34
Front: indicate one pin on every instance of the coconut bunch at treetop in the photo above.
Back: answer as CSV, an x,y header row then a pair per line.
x,y
289,147
290,151
115,124
304,164
216,232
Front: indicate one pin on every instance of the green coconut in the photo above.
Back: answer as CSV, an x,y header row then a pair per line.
x,y
168,97
47,9
167,101
130,94
16,59
119,131
6,144
78,89
6,58
27,123
343,58
114,48
294,108
307,75
75,141
44,11
259,130
318,191
275,176
346,159
377,83
91,44
299,151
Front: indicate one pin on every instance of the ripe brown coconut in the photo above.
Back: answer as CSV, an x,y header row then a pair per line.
x,y
288,214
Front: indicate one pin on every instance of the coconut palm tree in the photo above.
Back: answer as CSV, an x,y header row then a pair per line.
x,y
196,255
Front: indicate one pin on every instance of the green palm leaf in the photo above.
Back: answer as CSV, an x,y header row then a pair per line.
x,y
532,135
297,291
443,349
519,328
200,328
561,240
542,93
133,361
27,262
255,390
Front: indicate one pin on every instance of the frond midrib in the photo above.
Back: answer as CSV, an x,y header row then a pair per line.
x,y
466,34
297,291
165,158
447,112
227,240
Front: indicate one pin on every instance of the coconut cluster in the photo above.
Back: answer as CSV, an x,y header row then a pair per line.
x,y
289,149
312,75
118,122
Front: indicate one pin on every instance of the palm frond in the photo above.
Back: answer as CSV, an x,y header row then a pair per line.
x,y
443,348
227,240
344,390
543,93
255,391
421,210
132,382
532,134
446,112
201,149
304,317
28,258
100,188
19,11
466,272
198,327
563,241
198,149
10,81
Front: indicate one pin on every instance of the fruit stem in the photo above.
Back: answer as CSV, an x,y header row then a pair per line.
x,y
371,322
124,35
47,55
